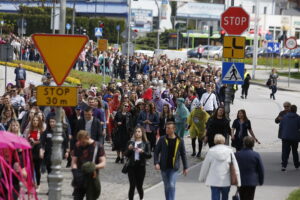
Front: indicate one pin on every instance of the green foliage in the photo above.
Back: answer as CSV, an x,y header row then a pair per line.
x,y
38,21
86,78
25,10
149,41
295,195
295,75
284,63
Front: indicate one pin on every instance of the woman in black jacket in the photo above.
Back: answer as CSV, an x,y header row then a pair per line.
x,y
123,121
217,124
165,117
138,150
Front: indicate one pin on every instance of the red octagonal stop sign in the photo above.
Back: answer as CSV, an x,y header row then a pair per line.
x,y
235,20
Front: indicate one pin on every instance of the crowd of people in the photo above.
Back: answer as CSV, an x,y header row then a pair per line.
x,y
147,115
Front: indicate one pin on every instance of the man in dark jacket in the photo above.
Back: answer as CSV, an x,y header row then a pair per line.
x,y
287,108
289,129
91,124
169,149
251,169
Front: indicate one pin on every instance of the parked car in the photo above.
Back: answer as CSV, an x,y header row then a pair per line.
x,y
192,53
213,52
295,53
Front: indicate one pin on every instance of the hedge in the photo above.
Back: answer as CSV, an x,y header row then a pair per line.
x,y
69,79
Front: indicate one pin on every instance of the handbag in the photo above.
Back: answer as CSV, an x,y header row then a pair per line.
x,y
233,177
125,167
236,196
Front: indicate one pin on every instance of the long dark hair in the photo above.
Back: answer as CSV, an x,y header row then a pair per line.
x,y
168,114
216,112
244,113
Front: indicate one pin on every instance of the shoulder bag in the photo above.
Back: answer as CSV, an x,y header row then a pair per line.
x,y
207,99
233,177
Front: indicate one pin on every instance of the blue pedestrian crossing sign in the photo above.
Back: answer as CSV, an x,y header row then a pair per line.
x,y
233,73
98,32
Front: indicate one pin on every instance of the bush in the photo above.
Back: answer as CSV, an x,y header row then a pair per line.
x,y
75,77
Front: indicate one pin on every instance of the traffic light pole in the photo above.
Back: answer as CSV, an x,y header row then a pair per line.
x,y
55,177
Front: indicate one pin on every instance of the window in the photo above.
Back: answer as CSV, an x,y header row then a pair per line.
x,y
253,9
265,10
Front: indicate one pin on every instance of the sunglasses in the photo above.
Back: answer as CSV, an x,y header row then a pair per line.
x,y
126,106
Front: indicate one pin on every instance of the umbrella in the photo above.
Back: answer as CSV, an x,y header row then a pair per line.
x,y
17,141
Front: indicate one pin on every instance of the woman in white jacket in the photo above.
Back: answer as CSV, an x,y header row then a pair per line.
x,y
215,170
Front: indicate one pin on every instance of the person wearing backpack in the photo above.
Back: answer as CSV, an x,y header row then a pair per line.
x,y
273,83
88,158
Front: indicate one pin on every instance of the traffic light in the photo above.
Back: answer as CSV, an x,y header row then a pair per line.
x,y
211,30
101,24
222,34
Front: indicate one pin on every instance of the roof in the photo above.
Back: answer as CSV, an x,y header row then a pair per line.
x,y
292,12
114,9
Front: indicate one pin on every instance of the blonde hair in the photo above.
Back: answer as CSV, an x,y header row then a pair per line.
x,y
219,139
82,134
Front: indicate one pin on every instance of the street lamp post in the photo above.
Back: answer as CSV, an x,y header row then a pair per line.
x,y
56,177
128,39
158,24
255,38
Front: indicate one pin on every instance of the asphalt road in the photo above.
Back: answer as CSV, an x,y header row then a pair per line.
x,y
261,110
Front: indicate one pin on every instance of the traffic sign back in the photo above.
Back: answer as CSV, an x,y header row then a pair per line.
x,y
59,52
233,73
102,45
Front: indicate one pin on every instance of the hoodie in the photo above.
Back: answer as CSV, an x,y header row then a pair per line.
x,y
215,170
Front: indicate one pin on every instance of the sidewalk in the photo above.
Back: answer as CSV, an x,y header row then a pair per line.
x,y
262,74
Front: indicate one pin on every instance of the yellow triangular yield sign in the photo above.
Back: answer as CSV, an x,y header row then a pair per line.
x,y
59,52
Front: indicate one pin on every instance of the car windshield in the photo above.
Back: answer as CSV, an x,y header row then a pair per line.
x,y
214,48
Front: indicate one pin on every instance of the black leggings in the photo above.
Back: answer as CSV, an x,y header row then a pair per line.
x,y
37,170
136,175
199,145
152,139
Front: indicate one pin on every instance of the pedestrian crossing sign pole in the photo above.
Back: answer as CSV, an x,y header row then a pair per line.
x,y
233,73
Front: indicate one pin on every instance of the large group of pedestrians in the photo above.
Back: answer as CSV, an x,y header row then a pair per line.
x,y
149,115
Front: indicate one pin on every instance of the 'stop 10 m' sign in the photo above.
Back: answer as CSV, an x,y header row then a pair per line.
x,y
235,20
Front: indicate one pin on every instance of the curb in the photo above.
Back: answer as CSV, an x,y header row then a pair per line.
x,y
278,88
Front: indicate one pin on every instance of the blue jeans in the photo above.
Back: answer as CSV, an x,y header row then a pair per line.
x,y
169,178
217,191
274,90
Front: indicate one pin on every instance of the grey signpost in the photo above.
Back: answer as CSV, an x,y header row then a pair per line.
x,y
56,177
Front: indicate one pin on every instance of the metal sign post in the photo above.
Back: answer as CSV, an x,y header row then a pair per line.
x,y
53,49
234,20
290,43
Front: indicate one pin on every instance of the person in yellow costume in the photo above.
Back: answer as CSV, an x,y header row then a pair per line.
x,y
196,125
